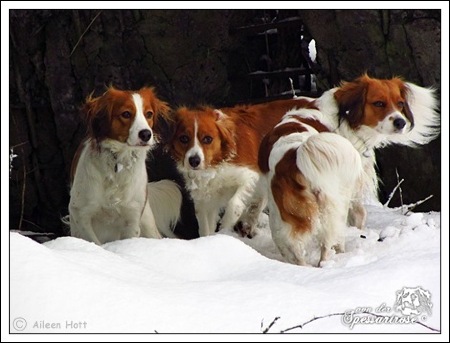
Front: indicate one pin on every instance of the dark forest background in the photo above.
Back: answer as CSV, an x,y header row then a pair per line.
x,y
58,57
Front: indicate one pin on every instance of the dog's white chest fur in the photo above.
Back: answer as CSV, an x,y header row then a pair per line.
x,y
225,186
218,183
108,191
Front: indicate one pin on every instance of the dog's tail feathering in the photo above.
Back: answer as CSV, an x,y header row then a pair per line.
x,y
164,198
331,164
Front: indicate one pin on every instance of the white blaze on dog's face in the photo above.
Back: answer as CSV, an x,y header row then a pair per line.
x,y
125,116
140,132
194,158
200,140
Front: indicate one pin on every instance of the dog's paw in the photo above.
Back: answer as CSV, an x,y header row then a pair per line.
x,y
244,229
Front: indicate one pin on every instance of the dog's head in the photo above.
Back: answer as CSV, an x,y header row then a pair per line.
x,y
125,116
202,138
382,105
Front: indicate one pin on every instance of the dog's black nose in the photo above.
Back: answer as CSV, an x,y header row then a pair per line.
x,y
145,135
399,123
194,161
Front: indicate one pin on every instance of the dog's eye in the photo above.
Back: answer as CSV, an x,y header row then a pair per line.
x,y
183,139
401,104
126,115
379,104
207,140
149,114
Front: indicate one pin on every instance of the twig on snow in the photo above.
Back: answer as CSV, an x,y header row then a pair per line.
x,y
392,193
413,206
300,326
266,330
400,192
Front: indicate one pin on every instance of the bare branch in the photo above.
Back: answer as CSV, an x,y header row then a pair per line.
x,y
82,35
402,206
392,193
18,145
420,323
34,224
413,206
266,330
300,326
400,192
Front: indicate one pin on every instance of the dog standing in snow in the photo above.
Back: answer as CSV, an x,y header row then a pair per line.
x,y
319,160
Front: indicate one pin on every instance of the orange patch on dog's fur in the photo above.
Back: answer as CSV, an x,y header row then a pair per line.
x,y
280,131
293,196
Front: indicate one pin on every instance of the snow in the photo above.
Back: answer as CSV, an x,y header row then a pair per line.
x,y
312,50
222,283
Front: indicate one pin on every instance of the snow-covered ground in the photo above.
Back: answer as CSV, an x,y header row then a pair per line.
x,y
227,284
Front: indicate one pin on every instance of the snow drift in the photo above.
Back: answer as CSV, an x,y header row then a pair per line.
x,y
223,283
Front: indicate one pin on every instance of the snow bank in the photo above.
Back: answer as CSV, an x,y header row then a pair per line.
x,y
222,283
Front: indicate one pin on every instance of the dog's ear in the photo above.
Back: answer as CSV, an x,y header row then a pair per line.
x,y
406,94
161,108
163,124
351,99
97,115
226,131
166,127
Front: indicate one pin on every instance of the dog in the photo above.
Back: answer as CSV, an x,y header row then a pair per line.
x,y
318,162
216,151
110,198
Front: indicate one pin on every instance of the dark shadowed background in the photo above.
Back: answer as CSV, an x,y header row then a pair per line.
x,y
219,57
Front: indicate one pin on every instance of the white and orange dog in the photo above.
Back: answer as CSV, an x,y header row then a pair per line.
x,y
216,151
319,160
110,198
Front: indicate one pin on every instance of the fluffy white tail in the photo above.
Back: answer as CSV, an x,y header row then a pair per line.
x,y
330,163
333,168
165,201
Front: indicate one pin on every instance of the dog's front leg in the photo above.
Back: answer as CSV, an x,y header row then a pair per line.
x,y
132,218
206,218
357,215
81,224
248,221
234,209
